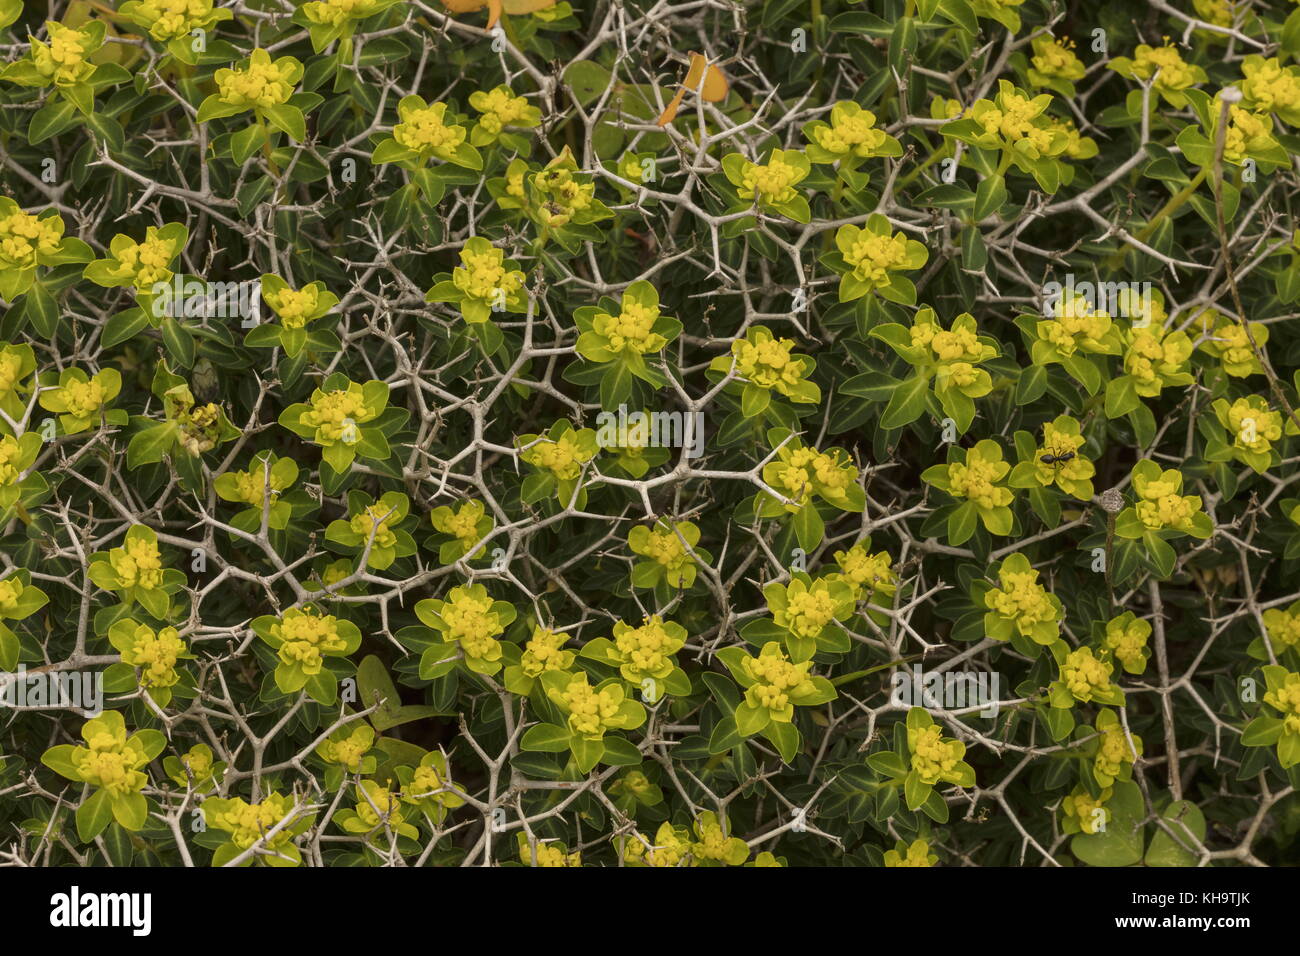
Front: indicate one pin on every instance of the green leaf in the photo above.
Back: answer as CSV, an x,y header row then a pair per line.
x,y
1188,823
94,814
907,403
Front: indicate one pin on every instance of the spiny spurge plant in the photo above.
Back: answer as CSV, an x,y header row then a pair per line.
x,y
725,433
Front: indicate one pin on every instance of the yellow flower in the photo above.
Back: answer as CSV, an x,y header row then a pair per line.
x,y
1285,698
1229,342
767,362
917,853
1126,640
1165,67
1270,88
631,329
547,854
249,822
64,61
647,651
1160,503
155,655
137,563
306,635
1055,58
373,520
260,85
776,679
1084,675
1156,358
978,478
851,132
1021,605
591,712
172,19
773,181
470,619
713,845
24,238
501,108
1113,750
933,757
1247,133
1082,809
563,456
671,847
543,653
336,13
336,415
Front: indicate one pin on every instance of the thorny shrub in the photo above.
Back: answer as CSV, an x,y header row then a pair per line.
x,y
650,432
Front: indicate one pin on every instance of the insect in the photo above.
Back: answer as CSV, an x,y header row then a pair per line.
x,y
1055,458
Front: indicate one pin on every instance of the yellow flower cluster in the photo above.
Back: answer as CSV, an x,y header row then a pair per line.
x,y
1247,132
873,256
1113,750
10,454
1055,58
1269,87
338,12
260,85
772,182
1022,602
1161,506
1253,425
1126,639
1153,356
1286,699
110,761
1082,808
471,621
347,751
632,328
295,307
765,361
155,655
1174,72
646,650
977,480
306,635
563,457
375,519
852,131
23,237
1084,675
483,275
562,195
247,822
501,108
543,652
169,19
916,853
64,60
591,712
137,563
932,756
775,679
335,415
808,609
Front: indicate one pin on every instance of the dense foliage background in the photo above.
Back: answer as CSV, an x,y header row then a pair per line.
x,y
466,625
